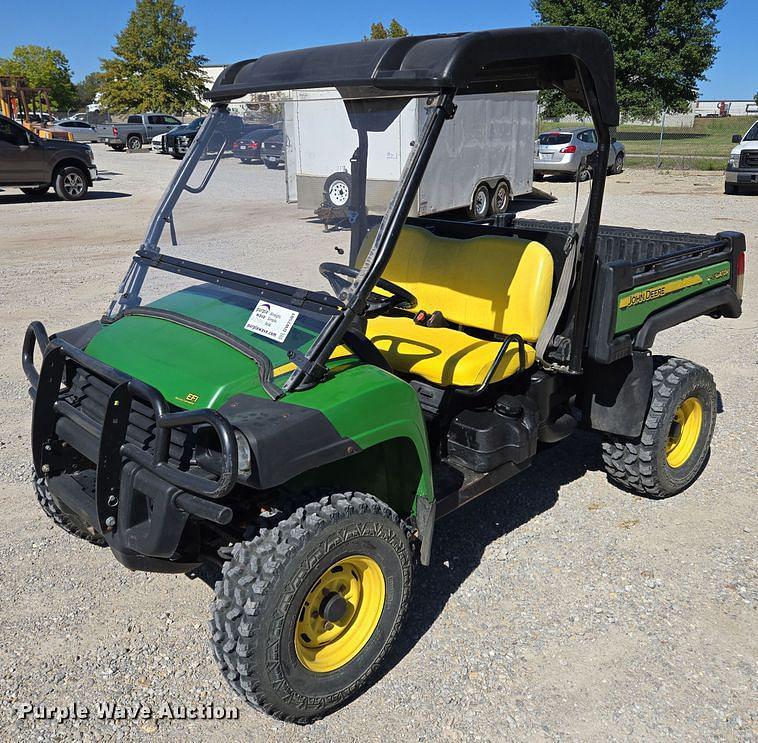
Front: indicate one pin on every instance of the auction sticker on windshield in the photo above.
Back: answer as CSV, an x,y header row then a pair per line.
x,y
271,321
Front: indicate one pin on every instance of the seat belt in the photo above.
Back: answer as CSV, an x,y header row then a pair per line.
x,y
565,282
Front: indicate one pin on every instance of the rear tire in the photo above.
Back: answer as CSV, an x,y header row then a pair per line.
x,y
675,442
68,522
36,190
134,143
70,183
305,612
271,166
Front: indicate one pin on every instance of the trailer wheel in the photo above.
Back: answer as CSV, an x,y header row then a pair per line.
x,y
480,202
673,448
68,522
337,189
306,611
134,143
501,198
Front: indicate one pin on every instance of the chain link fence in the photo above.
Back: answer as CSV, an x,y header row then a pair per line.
x,y
671,141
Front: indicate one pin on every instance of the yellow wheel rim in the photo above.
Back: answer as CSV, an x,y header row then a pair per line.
x,y
684,432
339,614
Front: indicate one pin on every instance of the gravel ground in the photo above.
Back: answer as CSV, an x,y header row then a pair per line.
x,y
556,607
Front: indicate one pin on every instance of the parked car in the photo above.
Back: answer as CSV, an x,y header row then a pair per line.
x,y
566,152
177,141
248,147
80,130
742,169
138,130
272,150
34,164
156,144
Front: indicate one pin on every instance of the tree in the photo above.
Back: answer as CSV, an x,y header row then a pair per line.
x,y
88,88
755,97
663,48
154,67
43,67
393,31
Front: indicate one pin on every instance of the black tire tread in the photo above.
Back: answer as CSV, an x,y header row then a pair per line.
x,y
256,565
630,462
68,524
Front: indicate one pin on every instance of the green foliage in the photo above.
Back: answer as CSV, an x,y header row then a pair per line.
x,y
662,47
755,97
393,31
154,67
43,68
88,88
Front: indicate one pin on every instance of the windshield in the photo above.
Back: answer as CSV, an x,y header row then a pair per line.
x,y
238,240
752,134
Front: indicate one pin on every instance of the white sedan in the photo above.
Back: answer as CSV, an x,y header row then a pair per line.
x,y
81,130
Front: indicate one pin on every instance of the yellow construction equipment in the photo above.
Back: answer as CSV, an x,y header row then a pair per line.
x,y
29,106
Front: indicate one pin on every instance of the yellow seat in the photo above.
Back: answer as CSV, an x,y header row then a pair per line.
x,y
442,355
497,284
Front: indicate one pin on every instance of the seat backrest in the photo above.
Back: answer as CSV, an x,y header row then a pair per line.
x,y
501,284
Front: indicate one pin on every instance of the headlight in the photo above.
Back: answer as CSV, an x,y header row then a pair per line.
x,y
734,161
244,457
182,140
90,154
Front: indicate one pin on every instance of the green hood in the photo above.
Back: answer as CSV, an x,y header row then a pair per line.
x,y
191,369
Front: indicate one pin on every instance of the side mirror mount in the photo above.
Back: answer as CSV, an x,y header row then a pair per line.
x,y
31,139
736,138
613,140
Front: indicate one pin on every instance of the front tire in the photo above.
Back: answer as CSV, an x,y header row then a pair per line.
x,y
71,183
618,164
675,442
731,189
306,611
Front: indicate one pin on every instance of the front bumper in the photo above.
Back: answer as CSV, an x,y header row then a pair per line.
x,y
114,453
742,176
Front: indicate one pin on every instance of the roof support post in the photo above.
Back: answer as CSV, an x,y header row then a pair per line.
x,y
358,168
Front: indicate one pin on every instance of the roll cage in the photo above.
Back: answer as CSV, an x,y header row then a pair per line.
x,y
376,79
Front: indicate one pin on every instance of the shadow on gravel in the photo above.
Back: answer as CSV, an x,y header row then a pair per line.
x,y
461,538
7,198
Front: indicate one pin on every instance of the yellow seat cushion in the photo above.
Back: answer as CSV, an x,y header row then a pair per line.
x,y
495,283
441,355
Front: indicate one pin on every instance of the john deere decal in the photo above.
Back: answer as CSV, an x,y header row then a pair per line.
x,y
636,305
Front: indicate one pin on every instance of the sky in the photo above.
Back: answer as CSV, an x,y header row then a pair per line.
x,y
229,30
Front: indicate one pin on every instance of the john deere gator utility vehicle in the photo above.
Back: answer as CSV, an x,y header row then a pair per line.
x,y
302,444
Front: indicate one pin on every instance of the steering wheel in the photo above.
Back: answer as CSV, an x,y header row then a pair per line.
x,y
341,277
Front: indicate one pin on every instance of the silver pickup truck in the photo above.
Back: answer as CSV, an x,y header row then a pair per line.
x,y
138,129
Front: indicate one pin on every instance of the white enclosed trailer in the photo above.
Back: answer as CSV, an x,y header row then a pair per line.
x,y
490,141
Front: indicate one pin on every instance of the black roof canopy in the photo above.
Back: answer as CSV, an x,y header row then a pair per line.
x,y
564,57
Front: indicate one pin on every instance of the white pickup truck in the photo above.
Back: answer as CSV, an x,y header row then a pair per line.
x,y
742,169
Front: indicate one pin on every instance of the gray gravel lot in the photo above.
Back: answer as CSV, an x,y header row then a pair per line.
x,y
556,607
